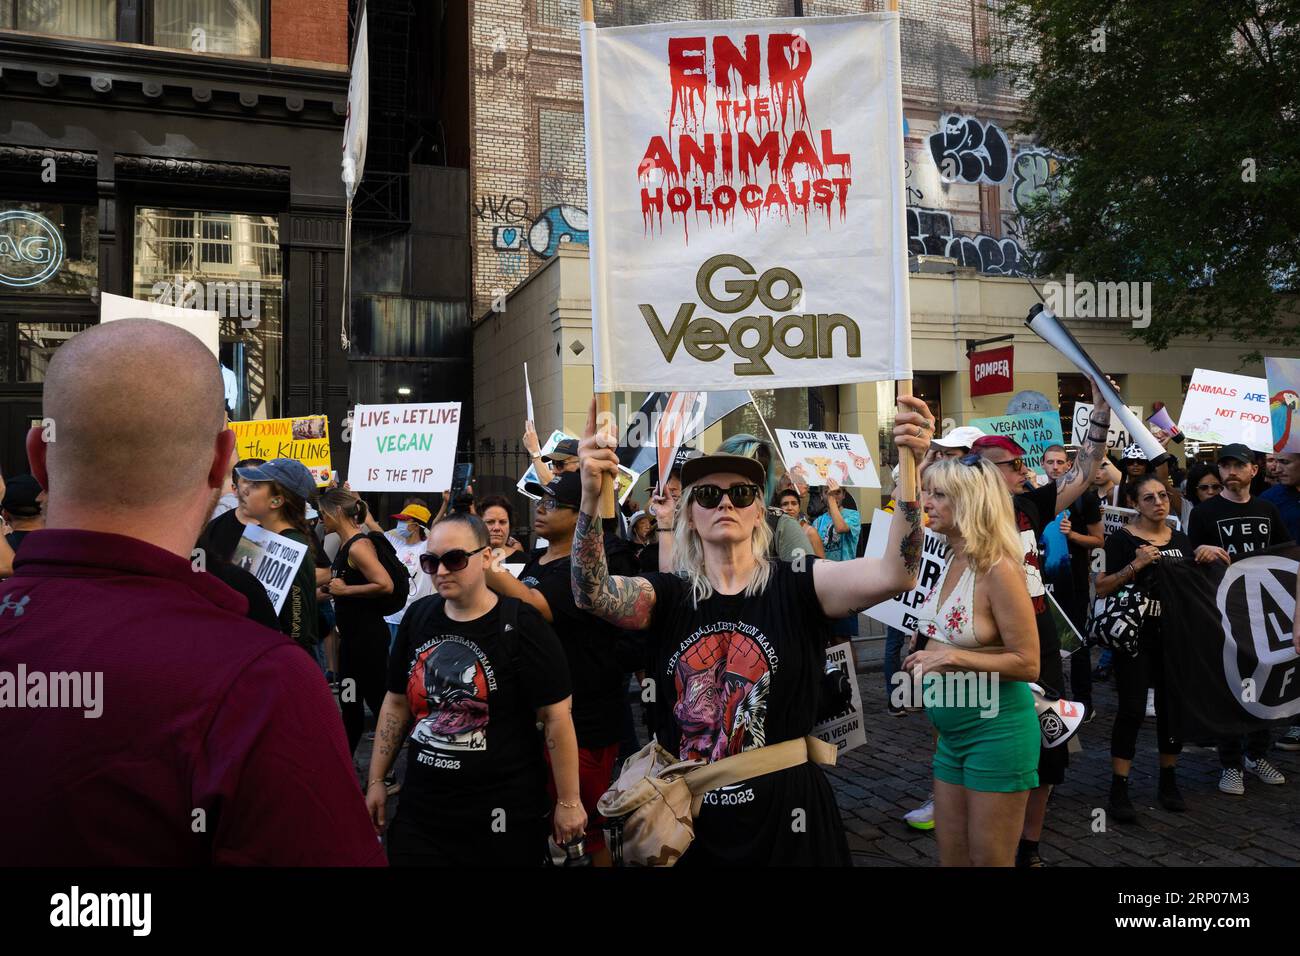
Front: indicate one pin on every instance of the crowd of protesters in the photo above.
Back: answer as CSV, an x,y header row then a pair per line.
x,y
504,673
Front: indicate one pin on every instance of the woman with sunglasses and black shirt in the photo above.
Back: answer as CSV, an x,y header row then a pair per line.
x,y
1130,552
737,642
475,674
358,582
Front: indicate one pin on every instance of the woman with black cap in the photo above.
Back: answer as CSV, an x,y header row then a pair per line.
x,y
738,642
276,497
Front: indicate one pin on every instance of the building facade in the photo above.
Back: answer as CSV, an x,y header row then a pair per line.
x,y
188,152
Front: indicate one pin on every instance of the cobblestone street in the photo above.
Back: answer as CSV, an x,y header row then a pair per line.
x,y
878,783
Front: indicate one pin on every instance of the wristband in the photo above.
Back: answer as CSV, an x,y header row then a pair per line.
x,y
663,530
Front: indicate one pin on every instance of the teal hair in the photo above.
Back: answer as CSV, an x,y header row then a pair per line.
x,y
747,446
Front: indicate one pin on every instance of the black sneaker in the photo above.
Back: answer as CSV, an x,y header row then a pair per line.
x,y
1119,805
1029,861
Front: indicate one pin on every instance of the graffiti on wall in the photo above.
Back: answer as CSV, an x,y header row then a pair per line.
x,y
501,208
515,229
969,151
1038,174
930,232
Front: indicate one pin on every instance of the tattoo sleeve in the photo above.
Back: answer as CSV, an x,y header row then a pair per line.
x,y
910,547
624,602
1090,452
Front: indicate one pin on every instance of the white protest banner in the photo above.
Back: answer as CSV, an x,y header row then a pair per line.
x,y
1283,377
824,455
1035,432
900,612
1223,408
205,326
1117,435
404,447
845,730
271,558
746,189
1048,327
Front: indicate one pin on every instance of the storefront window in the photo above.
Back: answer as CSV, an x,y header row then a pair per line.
x,y
210,26
48,248
228,263
94,19
36,344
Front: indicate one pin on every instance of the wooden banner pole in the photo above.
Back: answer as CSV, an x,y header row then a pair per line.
x,y
604,400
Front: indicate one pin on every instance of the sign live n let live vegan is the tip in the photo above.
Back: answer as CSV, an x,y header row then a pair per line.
x,y
746,184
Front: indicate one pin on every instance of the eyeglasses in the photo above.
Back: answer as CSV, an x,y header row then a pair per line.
x,y
710,496
974,458
457,559
550,504
1216,487
1156,496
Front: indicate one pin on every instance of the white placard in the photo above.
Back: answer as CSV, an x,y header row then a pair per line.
x,y
271,558
824,455
528,396
530,475
404,447
204,326
1114,517
1223,408
1117,436
900,611
845,730
746,187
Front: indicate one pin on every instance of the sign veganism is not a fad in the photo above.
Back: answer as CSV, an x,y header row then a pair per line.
x,y
746,184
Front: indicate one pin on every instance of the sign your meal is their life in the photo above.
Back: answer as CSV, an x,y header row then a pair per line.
x,y
747,203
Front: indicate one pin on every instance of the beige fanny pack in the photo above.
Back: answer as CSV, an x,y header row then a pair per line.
x,y
651,807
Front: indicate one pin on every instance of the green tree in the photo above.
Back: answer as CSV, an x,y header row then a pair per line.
x,y
1180,121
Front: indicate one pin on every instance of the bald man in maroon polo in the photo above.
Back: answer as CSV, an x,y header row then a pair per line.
x,y
153,723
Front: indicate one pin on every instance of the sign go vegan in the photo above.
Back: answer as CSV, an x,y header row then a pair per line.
x,y
746,189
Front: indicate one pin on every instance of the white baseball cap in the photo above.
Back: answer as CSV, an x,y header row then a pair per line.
x,y
963,437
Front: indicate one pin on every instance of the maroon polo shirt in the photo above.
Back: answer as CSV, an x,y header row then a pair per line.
x,y
202,710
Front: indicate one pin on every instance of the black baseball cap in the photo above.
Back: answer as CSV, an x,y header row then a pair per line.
x,y
21,492
1238,451
705,465
566,449
566,489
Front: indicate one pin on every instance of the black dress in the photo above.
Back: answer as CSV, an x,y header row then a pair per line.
x,y
363,648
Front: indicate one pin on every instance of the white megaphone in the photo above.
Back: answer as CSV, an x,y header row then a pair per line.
x,y
1044,323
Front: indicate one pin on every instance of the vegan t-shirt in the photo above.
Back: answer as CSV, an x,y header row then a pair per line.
x,y
474,692
1240,529
734,674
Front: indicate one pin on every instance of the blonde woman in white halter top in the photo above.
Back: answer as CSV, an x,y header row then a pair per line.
x,y
977,621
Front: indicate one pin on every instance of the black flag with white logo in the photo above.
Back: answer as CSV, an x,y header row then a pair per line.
x,y
1230,663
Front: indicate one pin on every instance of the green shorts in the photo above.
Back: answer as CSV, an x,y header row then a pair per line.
x,y
997,754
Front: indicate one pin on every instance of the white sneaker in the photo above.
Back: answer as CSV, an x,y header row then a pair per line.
x,y
1232,781
1290,740
922,818
1151,702
1265,771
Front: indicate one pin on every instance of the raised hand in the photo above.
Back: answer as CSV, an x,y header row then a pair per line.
x,y
597,455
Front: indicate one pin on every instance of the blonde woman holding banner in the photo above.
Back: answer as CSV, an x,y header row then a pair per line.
x,y
981,648
737,640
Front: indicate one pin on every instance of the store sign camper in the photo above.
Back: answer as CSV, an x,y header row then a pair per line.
x,y
31,249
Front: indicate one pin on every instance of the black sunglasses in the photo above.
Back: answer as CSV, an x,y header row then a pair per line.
x,y
710,496
457,559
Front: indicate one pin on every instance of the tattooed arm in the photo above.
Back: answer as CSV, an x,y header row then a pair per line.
x,y
390,732
624,602
1091,451
847,587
